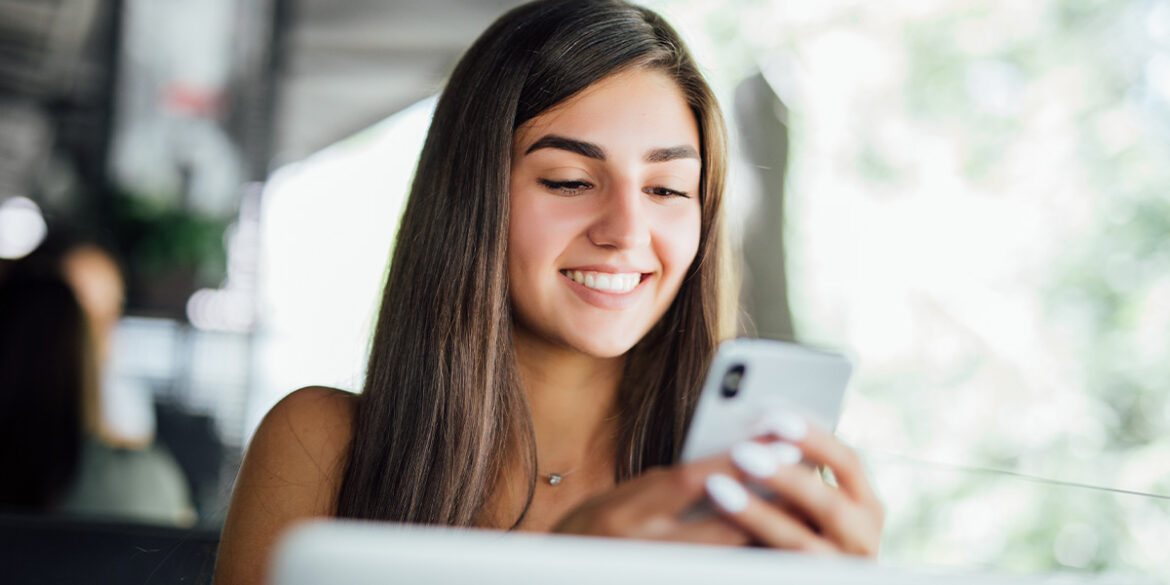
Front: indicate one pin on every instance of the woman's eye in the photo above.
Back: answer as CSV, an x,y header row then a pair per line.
x,y
567,187
665,192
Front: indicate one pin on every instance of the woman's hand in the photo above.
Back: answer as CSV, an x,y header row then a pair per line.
x,y
806,513
652,505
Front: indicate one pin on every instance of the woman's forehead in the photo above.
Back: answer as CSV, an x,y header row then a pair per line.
x,y
630,111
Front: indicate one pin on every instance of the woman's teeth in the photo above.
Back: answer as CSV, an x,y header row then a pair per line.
x,y
605,281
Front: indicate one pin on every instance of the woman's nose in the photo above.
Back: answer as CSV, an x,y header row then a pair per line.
x,y
622,223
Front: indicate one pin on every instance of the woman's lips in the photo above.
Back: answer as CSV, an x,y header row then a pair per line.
x,y
625,295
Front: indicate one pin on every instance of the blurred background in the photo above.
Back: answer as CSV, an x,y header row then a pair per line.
x,y
971,196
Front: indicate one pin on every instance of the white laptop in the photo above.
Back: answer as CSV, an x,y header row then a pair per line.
x,y
367,553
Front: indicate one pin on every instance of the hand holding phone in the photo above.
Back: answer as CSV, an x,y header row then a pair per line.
x,y
747,380
766,405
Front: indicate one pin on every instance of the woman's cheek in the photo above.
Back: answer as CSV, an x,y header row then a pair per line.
x,y
681,238
540,229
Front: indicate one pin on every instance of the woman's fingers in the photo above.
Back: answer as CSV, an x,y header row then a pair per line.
x,y
711,530
847,523
852,524
822,448
805,514
673,490
767,523
652,507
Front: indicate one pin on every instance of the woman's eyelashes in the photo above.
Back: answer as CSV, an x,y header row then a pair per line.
x,y
566,187
578,187
665,192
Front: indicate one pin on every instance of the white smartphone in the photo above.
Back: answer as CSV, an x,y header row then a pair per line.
x,y
749,378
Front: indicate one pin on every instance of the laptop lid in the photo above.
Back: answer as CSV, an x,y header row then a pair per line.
x,y
369,553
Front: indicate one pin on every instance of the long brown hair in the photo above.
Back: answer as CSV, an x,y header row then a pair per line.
x,y
442,408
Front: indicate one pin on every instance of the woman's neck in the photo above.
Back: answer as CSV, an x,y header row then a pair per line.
x,y
573,401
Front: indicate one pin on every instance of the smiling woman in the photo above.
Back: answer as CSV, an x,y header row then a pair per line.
x,y
605,217
554,295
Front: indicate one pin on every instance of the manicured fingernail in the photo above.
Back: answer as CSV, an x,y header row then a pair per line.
x,y
785,453
786,425
727,493
754,459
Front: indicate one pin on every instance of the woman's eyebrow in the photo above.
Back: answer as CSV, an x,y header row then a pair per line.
x,y
590,150
563,143
672,153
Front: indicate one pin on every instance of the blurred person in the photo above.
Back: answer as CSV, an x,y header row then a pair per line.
x,y
46,363
554,295
110,473
124,413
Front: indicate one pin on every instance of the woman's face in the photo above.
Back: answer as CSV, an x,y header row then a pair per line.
x,y
605,213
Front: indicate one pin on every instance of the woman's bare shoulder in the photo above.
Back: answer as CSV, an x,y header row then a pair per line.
x,y
301,447
292,470
317,419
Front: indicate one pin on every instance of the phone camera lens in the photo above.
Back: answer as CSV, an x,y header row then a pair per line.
x,y
731,381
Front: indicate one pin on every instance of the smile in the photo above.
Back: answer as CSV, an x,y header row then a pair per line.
x,y
613,283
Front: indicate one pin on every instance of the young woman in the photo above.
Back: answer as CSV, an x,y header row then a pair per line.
x,y
553,298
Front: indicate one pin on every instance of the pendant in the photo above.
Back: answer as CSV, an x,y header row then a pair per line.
x,y
555,478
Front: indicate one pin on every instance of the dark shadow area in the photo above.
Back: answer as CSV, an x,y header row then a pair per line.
x,y
196,446
51,550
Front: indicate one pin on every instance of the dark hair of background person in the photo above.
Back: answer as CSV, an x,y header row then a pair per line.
x,y
46,368
443,409
48,258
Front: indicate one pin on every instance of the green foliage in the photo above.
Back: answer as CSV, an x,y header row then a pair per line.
x,y
159,240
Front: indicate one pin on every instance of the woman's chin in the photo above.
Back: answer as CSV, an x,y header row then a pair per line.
x,y
604,347
605,352
585,339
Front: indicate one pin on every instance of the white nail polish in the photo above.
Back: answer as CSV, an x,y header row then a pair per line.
x,y
754,459
785,453
787,426
727,493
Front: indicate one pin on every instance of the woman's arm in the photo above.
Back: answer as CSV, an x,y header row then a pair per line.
x,y
292,470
